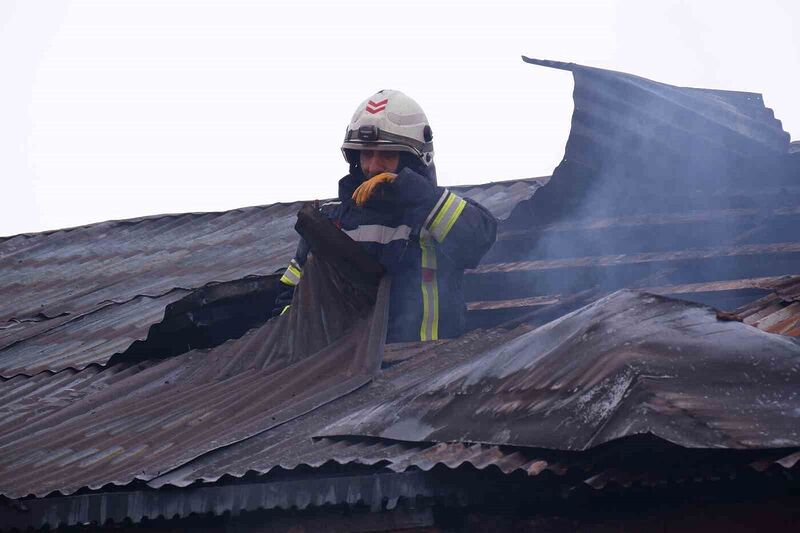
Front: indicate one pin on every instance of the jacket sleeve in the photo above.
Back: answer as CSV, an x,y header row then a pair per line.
x,y
463,229
290,278
294,271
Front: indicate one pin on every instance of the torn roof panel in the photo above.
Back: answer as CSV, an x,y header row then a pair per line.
x,y
76,343
78,296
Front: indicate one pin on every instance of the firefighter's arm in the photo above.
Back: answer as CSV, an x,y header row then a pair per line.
x,y
290,278
463,229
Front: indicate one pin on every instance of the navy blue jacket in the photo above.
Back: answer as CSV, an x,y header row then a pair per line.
x,y
425,236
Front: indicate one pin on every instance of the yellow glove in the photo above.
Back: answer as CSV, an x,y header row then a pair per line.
x,y
367,188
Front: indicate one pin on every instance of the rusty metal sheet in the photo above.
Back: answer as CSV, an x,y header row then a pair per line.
x,y
92,428
631,363
778,312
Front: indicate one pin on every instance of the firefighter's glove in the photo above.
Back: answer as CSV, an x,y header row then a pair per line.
x,y
365,191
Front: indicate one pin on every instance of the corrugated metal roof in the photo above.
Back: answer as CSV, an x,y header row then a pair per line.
x,y
627,365
90,338
76,297
71,430
416,370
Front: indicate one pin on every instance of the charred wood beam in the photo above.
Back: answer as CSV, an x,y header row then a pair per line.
x,y
666,290
648,233
524,279
630,259
726,295
649,219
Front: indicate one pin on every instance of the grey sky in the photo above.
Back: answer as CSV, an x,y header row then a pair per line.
x,y
115,109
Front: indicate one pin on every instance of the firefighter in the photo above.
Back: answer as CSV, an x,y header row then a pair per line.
x,y
424,235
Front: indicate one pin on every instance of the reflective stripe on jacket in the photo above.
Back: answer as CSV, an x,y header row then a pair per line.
x,y
425,236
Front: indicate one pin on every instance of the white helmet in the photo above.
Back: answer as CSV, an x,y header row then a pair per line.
x,y
390,120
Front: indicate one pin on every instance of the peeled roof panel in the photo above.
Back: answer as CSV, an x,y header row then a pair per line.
x,y
634,141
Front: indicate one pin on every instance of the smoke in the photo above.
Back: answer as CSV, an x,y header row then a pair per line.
x,y
659,185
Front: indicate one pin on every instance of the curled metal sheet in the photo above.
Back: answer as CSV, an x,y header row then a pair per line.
x,y
637,139
631,363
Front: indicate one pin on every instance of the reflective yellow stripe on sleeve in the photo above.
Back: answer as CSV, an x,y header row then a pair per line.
x,y
292,275
448,212
429,329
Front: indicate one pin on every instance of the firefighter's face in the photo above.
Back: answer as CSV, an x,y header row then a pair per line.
x,y
374,162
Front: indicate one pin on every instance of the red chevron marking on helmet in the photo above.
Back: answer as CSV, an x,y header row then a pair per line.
x,y
376,107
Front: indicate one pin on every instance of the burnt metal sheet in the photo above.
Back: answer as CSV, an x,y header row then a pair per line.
x,y
92,428
631,363
74,297
290,445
